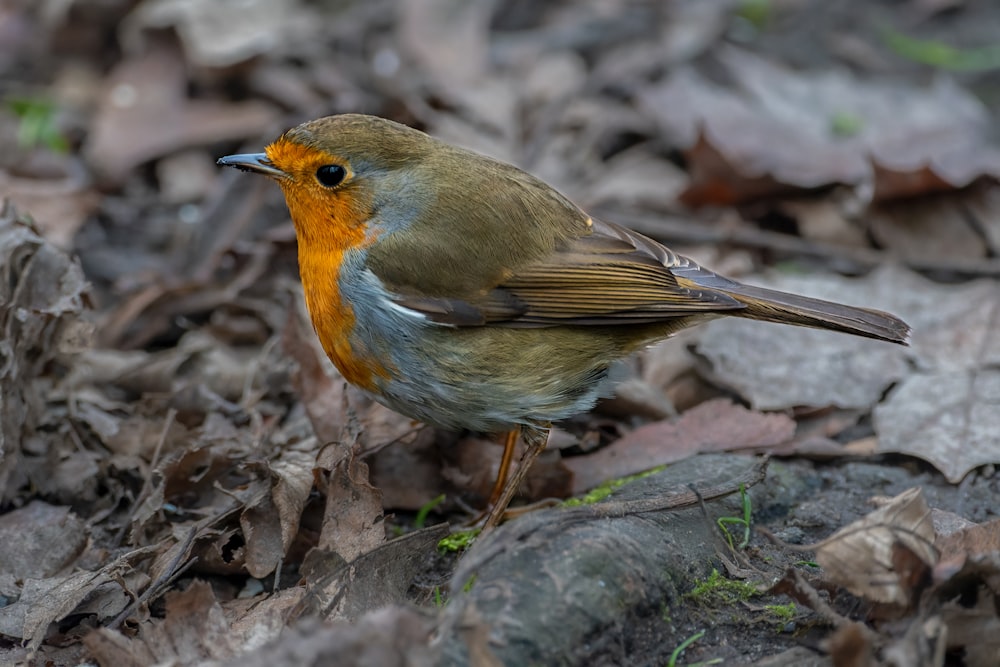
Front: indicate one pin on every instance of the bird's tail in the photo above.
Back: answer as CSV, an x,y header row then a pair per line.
x,y
774,306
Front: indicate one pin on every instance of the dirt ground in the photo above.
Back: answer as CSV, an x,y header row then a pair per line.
x,y
186,480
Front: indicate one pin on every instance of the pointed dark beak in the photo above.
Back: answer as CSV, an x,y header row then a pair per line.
x,y
255,162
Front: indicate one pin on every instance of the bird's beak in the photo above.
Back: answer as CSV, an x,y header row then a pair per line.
x,y
255,162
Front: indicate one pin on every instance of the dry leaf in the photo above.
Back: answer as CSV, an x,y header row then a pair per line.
x,y
929,229
352,519
397,636
850,645
271,521
974,629
39,320
219,33
39,540
713,426
145,113
776,366
195,630
949,419
445,39
863,558
971,540
58,206
783,129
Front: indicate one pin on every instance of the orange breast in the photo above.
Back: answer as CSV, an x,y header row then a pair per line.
x,y
327,225
334,321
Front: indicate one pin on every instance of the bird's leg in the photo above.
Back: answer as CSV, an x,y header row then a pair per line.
x,y
509,446
535,438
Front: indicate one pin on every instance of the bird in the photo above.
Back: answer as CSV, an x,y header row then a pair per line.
x,y
466,293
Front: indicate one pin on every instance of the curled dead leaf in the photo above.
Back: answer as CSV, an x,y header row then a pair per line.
x,y
865,556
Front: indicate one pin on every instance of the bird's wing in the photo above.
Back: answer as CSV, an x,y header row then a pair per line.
x,y
610,276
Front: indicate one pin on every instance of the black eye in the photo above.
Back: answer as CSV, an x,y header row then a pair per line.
x,y
330,175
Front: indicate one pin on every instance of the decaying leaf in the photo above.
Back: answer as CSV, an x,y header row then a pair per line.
x,y
949,419
718,425
59,206
45,601
395,635
784,130
194,630
39,320
39,540
863,557
226,32
352,519
930,230
776,367
145,113
948,413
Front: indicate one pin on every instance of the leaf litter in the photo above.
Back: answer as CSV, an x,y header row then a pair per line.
x,y
202,486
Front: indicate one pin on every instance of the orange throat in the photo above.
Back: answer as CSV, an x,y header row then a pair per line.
x,y
326,230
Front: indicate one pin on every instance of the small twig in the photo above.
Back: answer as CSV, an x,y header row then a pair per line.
x,y
170,575
147,482
618,508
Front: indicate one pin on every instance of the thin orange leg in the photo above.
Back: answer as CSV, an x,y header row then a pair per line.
x,y
535,439
509,446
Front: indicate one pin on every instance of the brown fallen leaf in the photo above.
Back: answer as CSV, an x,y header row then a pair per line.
x,y
776,367
58,206
400,636
45,601
978,543
974,629
221,34
271,521
194,630
781,129
717,425
446,40
850,645
863,556
145,113
933,229
39,322
924,644
949,419
352,519
40,540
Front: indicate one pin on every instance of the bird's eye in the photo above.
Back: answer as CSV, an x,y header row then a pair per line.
x,y
330,175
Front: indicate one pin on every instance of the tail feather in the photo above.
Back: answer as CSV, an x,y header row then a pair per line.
x,y
774,306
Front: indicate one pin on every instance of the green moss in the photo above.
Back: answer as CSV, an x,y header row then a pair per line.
x,y
606,489
719,591
846,124
944,56
459,541
756,12
784,612
37,124
665,613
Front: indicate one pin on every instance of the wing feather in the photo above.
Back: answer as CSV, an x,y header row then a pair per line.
x,y
610,276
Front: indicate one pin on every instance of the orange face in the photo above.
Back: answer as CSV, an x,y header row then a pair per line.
x,y
329,221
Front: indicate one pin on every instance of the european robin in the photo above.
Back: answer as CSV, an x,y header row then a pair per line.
x,y
463,292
